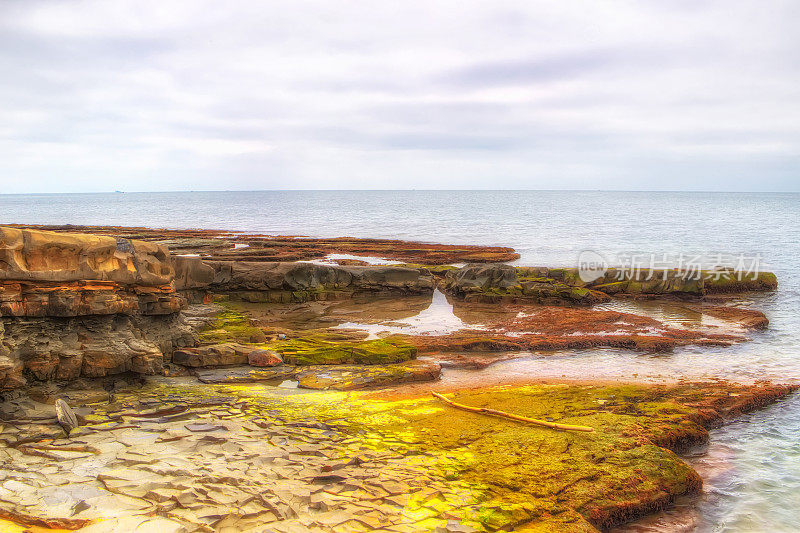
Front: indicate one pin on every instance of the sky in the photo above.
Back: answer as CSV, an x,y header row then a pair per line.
x,y
248,95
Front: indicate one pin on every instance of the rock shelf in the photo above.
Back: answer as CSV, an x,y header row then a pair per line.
x,y
238,389
179,456
220,245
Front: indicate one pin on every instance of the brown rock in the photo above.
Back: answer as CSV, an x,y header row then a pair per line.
x,y
264,358
285,282
224,354
32,255
65,415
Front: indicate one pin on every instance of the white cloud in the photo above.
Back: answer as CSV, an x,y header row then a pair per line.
x,y
140,95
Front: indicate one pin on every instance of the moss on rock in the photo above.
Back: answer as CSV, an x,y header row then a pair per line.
x,y
336,349
495,474
230,325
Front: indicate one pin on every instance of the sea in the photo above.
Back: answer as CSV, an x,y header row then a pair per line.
x,y
752,467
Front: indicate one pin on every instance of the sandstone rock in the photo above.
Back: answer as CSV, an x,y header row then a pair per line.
x,y
264,358
88,346
224,354
65,415
192,273
45,256
76,305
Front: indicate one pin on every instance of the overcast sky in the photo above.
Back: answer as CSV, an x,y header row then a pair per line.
x,y
169,95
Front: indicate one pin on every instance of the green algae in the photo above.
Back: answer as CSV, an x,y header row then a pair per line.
x,y
572,479
728,282
334,349
229,325
503,474
436,270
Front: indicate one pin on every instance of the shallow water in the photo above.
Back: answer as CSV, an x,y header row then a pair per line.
x,y
436,319
760,487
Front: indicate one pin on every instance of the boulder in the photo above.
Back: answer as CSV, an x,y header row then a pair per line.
x,y
264,358
192,273
480,276
223,354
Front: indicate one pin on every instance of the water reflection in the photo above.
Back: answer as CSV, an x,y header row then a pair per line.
x,y
437,319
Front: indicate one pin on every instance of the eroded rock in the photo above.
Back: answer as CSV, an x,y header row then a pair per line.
x,y
75,305
298,282
264,358
224,354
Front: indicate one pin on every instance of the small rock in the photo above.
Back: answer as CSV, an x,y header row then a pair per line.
x,y
454,526
66,416
258,337
197,428
264,358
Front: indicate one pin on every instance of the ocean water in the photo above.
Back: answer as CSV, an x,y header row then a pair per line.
x,y
755,461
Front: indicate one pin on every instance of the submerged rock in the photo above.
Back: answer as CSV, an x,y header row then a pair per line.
x,y
336,349
246,374
354,377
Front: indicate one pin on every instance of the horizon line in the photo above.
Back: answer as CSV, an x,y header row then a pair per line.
x,y
699,191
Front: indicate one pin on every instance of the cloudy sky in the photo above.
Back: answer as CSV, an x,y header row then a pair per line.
x,y
169,95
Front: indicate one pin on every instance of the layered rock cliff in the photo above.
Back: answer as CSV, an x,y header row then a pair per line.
x,y
84,305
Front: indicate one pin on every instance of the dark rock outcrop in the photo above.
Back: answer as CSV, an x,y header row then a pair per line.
x,y
491,283
496,283
288,282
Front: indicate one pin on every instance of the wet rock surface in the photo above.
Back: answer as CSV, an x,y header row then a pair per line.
x,y
504,283
175,455
328,377
292,398
241,246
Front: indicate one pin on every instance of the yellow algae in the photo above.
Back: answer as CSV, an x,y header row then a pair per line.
x,y
505,474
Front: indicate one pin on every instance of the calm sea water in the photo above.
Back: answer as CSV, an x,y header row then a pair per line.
x,y
759,455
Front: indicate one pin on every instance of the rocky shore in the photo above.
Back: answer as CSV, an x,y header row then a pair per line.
x,y
229,382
